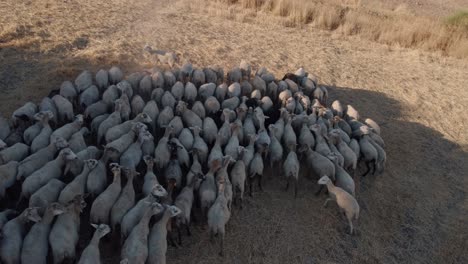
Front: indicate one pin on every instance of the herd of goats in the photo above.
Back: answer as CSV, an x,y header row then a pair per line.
x,y
140,154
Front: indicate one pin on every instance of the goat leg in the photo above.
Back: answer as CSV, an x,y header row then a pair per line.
x,y
295,189
260,182
368,169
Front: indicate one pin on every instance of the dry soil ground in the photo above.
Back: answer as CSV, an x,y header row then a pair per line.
x,y
416,212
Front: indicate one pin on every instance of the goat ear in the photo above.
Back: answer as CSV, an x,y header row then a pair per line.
x,y
34,220
94,225
325,136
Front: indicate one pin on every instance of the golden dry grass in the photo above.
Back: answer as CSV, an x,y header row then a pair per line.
x,y
57,38
351,17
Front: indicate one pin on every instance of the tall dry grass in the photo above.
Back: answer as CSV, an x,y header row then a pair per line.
x,y
351,17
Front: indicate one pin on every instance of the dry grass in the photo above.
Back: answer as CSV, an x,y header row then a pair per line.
x,y
392,27
66,28
59,38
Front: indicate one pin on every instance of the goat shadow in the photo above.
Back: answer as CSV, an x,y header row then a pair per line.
x,y
414,210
